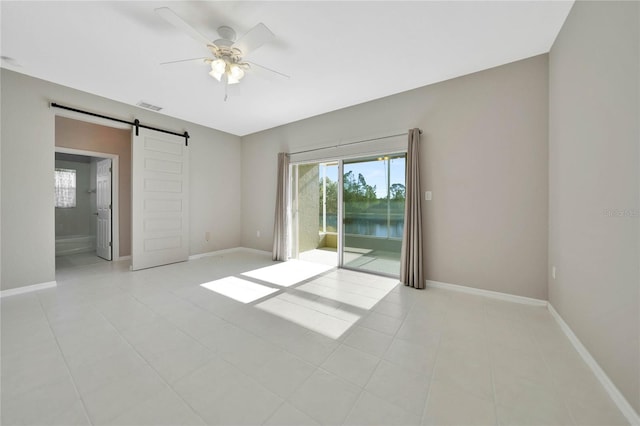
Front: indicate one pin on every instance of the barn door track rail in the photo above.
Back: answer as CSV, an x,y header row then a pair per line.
x,y
135,123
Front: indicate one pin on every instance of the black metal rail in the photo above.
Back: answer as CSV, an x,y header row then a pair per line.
x,y
136,123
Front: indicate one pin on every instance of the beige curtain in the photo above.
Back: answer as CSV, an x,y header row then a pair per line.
x,y
411,268
280,226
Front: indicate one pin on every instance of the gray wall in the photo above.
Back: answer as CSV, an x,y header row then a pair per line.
x,y
76,220
27,162
593,168
484,156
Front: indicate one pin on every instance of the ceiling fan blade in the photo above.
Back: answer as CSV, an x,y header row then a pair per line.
x,y
171,17
254,38
185,60
253,64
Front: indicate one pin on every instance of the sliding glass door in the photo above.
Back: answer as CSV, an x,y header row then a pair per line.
x,y
373,213
349,213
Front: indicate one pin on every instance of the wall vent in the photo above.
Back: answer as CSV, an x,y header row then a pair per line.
x,y
149,106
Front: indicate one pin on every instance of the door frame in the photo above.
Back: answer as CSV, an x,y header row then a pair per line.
x,y
115,210
100,164
340,221
292,213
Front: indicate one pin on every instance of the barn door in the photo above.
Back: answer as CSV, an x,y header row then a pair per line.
x,y
160,205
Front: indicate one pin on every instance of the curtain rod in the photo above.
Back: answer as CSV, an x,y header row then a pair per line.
x,y
136,123
347,144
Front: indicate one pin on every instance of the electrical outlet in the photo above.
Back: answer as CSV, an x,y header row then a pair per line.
x,y
258,234
427,196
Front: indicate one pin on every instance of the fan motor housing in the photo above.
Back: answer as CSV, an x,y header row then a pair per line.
x,y
228,35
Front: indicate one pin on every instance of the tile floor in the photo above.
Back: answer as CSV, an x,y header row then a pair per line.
x,y
376,261
154,347
79,259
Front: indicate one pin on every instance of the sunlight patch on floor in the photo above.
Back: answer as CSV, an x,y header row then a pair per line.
x,y
327,302
324,255
309,315
288,273
328,305
238,289
363,294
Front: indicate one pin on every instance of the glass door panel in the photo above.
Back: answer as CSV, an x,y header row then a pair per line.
x,y
373,213
314,208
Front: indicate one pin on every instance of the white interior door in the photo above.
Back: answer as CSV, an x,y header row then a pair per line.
x,y
103,201
160,205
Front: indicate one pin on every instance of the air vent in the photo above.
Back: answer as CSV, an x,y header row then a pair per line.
x,y
148,106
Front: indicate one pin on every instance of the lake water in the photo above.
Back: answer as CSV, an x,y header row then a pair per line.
x,y
372,227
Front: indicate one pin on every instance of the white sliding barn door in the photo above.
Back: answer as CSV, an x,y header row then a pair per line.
x,y
103,202
160,205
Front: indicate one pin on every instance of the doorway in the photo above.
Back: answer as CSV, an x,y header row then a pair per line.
x,y
349,212
85,200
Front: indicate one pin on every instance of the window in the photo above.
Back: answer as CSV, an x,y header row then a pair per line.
x,y
374,196
65,188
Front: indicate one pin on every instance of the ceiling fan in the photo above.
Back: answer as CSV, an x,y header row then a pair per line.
x,y
228,64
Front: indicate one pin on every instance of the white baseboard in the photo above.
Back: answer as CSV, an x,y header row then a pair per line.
x,y
214,253
487,293
611,389
617,397
227,251
27,289
255,251
123,258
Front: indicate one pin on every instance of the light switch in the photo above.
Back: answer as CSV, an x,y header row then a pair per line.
x,y
427,195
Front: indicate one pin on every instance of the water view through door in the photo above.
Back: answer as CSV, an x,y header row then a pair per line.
x,y
373,213
366,232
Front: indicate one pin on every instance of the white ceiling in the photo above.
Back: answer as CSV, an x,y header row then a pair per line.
x,y
338,53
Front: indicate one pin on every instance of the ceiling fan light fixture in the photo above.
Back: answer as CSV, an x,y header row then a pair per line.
x,y
219,66
226,63
232,72
235,72
216,75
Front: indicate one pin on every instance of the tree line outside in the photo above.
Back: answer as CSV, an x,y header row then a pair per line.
x,y
361,202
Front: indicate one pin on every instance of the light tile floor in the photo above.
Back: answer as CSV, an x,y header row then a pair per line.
x,y
376,261
79,259
153,347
